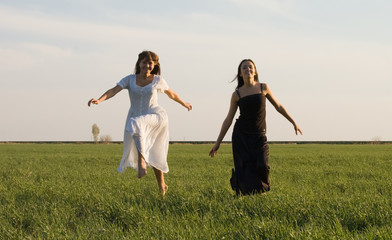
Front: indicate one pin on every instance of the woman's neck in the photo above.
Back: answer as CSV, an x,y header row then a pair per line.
x,y
144,76
249,82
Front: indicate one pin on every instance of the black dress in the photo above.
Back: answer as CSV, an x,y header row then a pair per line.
x,y
250,148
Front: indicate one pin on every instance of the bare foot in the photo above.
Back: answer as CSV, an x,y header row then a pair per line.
x,y
164,189
142,171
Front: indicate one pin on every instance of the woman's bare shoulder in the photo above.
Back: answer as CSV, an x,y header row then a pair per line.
x,y
234,96
264,85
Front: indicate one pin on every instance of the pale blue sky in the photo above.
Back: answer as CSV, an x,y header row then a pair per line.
x,y
327,62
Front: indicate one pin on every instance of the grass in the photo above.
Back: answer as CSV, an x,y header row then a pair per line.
x,y
73,191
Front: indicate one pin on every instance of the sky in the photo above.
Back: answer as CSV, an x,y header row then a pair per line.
x,y
328,62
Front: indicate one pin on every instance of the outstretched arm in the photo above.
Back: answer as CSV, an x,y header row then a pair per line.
x,y
226,123
279,107
108,94
174,96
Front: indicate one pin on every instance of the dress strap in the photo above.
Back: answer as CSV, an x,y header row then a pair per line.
x,y
238,93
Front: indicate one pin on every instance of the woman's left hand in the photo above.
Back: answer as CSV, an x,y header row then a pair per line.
x,y
296,128
188,106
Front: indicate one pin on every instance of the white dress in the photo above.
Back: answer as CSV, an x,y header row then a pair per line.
x,y
146,128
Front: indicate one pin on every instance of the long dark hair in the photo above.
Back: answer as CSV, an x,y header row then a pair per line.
x,y
150,56
240,80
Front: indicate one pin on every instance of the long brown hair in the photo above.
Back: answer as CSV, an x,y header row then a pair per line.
x,y
150,56
240,80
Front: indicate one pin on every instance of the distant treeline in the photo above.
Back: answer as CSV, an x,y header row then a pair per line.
x,y
200,142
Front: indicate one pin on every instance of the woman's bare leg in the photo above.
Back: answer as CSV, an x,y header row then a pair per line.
x,y
161,181
142,169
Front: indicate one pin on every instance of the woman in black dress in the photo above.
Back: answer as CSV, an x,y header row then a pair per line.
x,y
250,149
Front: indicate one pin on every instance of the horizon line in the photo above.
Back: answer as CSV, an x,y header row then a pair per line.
x,y
200,142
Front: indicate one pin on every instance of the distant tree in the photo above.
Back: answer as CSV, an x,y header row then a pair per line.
x,y
376,140
106,138
95,131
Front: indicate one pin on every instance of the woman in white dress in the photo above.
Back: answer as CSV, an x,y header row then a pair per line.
x,y
146,135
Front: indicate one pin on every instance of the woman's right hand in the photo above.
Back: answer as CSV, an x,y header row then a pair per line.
x,y
93,101
214,150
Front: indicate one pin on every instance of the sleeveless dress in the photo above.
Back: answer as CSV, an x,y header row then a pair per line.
x,y
250,148
146,127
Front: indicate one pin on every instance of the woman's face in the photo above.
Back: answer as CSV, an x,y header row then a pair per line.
x,y
146,66
248,70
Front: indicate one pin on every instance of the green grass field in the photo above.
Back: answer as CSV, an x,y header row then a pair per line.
x,y
73,191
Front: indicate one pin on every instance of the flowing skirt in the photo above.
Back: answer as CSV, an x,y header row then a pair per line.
x,y
251,168
148,134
